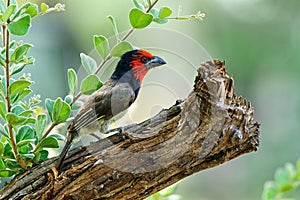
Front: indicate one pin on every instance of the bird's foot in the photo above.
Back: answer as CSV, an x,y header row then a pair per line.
x,y
120,130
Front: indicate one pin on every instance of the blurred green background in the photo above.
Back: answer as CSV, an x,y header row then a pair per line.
x,y
260,41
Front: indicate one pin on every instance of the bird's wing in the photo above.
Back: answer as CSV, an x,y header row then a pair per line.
x,y
88,112
105,103
122,97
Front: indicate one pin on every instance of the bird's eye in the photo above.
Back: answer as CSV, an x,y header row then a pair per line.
x,y
144,59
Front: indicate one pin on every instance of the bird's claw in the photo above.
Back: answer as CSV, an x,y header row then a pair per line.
x,y
119,130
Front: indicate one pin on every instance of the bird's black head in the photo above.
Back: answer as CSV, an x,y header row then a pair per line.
x,y
138,63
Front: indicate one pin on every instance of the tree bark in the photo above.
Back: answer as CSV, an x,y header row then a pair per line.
x,y
210,127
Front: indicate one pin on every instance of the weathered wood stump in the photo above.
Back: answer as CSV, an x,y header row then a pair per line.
x,y
210,127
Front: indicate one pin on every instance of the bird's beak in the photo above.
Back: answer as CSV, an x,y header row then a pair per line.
x,y
155,62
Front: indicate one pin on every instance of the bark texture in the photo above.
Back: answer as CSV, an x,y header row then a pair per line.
x,y
210,127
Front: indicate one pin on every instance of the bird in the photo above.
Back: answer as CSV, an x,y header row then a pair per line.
x,y
115,96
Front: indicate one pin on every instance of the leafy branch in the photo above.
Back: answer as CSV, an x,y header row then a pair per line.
x,y
22,137
7,97
286,180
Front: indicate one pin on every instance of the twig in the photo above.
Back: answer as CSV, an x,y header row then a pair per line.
x,y
75,98
151,6
128,34
44,136
5,36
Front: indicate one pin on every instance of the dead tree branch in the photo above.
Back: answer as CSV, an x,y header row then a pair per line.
x,y
210,127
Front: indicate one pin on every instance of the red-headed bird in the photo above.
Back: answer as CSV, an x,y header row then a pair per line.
x,y
115,96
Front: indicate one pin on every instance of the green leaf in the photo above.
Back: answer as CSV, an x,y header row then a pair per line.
x,y
32,10
14,119
88,63
12,44
28,8
114,25
138,5
17,109
290,169
281,176
23,146
18,86
76,105
286,187
24,133
61,111
169,190
120,49
2,109
20,25
154,12
3,131
2,93
17,97
12,164
49,103
49,142
72,81
41,155
18,68
156,19
1,149
8,151
90,84
6,173
2,165
58,136
40,125
3,83
9,11
20,52
26,113
44,7
165,12
30,120
270,191
139,19
102,46
69,99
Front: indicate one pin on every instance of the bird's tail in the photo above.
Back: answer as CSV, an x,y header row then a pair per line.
x,y
71,135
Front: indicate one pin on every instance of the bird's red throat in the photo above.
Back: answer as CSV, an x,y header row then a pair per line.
x,y
139,71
